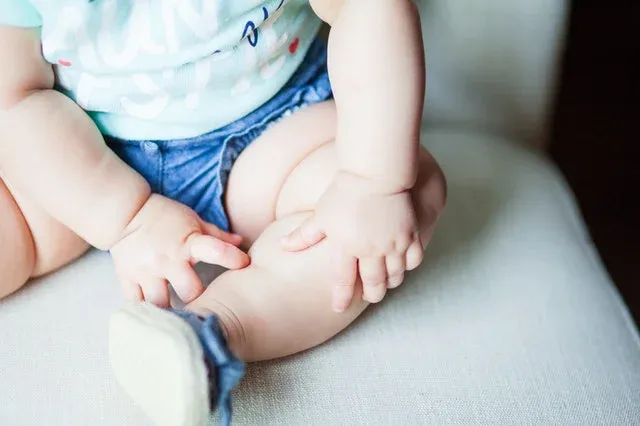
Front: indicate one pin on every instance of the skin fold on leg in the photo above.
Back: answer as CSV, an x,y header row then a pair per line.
x,y
31,242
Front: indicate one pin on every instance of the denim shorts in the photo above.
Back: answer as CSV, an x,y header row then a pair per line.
x,y
194,171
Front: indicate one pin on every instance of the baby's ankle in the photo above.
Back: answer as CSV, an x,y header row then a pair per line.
x,y
232,328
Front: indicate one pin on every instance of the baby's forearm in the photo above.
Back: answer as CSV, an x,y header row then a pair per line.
x,y
376,65
51,151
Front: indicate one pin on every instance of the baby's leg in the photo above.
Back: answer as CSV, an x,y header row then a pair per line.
x,y
281,303
31,242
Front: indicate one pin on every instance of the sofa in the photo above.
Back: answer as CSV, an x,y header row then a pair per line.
x,y
512,319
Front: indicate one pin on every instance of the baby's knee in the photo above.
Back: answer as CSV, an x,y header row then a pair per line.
x,y
17,262
233,328
268,253
57,248
429,194
431,184
13,279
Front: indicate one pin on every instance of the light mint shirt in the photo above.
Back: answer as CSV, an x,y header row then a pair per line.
x,y
168,69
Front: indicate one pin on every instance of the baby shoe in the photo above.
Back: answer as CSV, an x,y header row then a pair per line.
x,y
174,364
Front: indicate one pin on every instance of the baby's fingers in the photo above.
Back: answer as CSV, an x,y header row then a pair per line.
x,y
216,232
395,270
415,254
132,292
306,235
185,281
156,291
208,249
346,274
373,272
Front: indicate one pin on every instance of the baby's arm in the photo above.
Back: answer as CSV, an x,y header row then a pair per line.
x,y
51,151
377,70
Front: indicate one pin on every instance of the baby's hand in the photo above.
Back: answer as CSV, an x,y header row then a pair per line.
x,y
373,233
161,245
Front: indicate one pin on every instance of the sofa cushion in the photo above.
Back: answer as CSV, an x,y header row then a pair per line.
x,y
512,320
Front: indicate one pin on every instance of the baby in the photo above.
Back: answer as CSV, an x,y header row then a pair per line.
x,y
173,132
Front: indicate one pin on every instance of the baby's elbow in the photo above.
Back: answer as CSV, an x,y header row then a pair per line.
x,y
327,10
11,96
18,87
24,71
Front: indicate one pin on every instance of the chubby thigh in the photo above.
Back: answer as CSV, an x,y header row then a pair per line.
x,y
288,168
259,188
32,243
281,303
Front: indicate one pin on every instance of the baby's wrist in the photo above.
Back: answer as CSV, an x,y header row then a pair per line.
x,y
116,223
132,217
375,184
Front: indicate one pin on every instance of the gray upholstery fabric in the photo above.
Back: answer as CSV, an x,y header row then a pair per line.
x,y
492,64
512,320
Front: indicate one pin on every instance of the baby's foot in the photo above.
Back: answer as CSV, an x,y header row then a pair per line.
x,y
174,364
